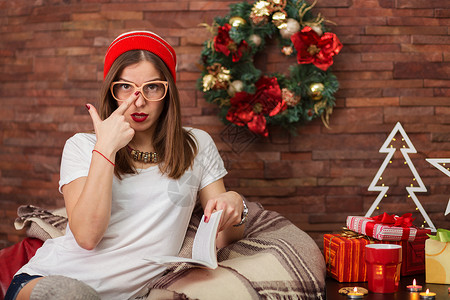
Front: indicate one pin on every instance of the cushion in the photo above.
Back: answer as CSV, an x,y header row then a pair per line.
x,y
13,258
40,225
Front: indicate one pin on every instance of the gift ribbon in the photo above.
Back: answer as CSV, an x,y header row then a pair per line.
x,y
442,235
350,234
404,221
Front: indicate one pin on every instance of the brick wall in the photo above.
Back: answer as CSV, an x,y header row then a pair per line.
x,y
394,67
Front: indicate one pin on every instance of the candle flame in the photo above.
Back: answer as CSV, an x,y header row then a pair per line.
x,y
355,289
428,291
414,282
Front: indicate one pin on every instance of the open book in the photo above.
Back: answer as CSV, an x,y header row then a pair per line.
x,y
203,248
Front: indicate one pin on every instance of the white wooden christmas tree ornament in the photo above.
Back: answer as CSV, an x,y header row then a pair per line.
x,y
388,148
439,164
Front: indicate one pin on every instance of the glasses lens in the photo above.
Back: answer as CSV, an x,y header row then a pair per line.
x,y
122,91
154,90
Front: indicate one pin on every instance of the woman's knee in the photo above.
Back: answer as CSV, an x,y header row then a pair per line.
x,y
57,287
25,292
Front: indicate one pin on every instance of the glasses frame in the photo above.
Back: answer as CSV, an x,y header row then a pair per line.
x,y
136,88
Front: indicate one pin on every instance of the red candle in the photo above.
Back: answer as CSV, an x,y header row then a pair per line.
x,y
414,287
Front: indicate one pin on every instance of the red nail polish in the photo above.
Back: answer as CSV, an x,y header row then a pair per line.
x,y
137,93
88,107
206,219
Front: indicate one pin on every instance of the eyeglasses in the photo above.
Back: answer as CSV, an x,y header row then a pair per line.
x,y
151,91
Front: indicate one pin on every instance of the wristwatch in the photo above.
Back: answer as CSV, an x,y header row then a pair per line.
x,y
244,214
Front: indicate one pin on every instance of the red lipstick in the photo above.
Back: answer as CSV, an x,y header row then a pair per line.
x,y
139,117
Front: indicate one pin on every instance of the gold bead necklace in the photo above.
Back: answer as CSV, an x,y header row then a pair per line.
x,y
145,157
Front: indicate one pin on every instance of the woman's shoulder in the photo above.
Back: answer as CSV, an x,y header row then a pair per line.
x,y
202,137
82,139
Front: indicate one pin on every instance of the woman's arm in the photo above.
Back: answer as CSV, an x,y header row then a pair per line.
x,y
88,203
214,197
88,199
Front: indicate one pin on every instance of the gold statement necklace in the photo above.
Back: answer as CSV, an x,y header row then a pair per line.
x,y
145,157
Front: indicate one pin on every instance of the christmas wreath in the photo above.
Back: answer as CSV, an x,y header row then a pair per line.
x,y
245,96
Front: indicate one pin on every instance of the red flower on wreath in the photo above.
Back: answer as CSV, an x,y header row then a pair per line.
x,y
223,43
251,109
315,49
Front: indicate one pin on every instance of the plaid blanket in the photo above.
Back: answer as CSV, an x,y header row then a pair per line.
x,y
41,223
274,260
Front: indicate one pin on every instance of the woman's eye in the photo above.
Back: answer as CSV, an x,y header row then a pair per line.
x,y
125,86
151,87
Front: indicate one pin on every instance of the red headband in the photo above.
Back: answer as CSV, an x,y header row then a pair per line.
x,y
141,40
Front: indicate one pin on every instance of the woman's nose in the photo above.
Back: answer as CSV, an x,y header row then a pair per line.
x,y
140,101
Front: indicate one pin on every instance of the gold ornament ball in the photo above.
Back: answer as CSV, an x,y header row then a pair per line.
x,y
292,26
255,39
236,86
315,90
237,21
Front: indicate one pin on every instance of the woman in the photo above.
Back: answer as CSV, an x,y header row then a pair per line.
x,y
130,188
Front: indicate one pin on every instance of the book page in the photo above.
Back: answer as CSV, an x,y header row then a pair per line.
x,y
203,248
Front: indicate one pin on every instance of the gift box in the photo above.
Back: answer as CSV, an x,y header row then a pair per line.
x,y
413,253
345,257
437,258
384,227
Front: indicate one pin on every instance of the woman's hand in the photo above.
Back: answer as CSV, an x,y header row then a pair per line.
x,y
113,133
215,197
231,204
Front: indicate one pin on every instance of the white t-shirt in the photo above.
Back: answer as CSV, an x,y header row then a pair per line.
x,y
149,217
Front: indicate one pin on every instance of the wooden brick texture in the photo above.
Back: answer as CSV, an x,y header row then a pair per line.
x,y
394,67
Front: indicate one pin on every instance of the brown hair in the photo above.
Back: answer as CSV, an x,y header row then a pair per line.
x,y
175,146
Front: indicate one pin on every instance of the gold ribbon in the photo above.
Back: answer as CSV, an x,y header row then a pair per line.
x,y
350,234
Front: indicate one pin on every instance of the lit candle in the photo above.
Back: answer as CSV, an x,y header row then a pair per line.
x,y
355,294
428,295
414,287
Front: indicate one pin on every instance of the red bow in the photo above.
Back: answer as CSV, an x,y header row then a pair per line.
x,y
393,220
404,221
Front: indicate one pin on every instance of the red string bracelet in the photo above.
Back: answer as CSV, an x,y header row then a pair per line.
x,y
103,156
